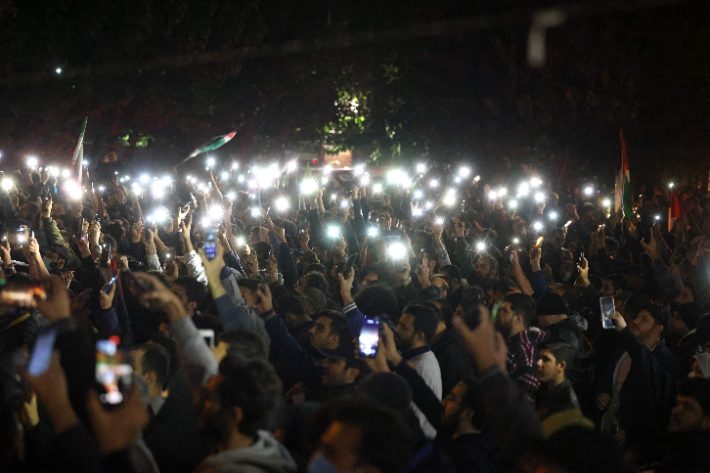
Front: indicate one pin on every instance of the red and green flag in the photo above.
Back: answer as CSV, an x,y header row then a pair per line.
x,y
213,144
622,191
675,211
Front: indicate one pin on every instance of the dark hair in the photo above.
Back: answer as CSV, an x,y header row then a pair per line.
x,y
338,324
156,359
194,289
474,401
635,304
389,389
698,389
659,315
378,300
318,281
562,351
522,305
385,440
287,303
425,320
252,386
317,267
244,345
472,296
504,286
453,272
252,284
618,281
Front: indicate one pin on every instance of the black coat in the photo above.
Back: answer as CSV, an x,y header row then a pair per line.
x,y
453,357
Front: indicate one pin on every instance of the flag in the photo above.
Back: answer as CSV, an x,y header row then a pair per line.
x,y
622,191
213,144
674,211
78,158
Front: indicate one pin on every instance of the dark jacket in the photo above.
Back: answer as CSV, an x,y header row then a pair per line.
x,y
686,452
453,357
474,453
521,360
568,331
557,399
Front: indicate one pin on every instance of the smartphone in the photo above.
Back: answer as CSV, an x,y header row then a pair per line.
x,y
421,256
105,255
606,304
210,243
348,267
208,336
22,293
538,243
42,352
369,338
114,374
82,234
581,260
111,283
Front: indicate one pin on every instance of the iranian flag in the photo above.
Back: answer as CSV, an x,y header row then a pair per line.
x,y
622,191
674,211
78,157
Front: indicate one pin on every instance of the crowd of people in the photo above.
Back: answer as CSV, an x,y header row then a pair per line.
x,y
237,302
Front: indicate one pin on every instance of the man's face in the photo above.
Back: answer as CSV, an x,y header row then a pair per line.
x,y
678,327
548,370
404,332
644,327
340,444
452,404
607,289
547,320
249,297
504,322
368,279
483,266
320,334
558,240
686,295
687,416
441,284
335,372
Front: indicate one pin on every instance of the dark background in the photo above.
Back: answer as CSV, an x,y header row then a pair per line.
x,y
159,77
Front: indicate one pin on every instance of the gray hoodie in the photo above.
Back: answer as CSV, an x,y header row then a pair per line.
x,y
266,455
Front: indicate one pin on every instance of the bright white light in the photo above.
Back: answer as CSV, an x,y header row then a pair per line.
x,y
7,184
539,197
553,215
429,205
359,169
58,70
210,162
225,175
516,241
440,220
232,195
421,168
502,191
535,182
657,217
252,184
537,226
32,162
670,185
523,189
216,212
206,221
235,165
309,186
417,212
255,212
606,202
252,196
21,238
137,189
327,169
345,204
492,195
433,183
333,232
282,203
477,178
480,246
128,178
72,189
292,166
274,169
85,163
365,180
52,170
588,190
160,215
377,188
464,172
450,199
240,178
144,178
397,251
399,177
457,179
513,204
241,241
102,188
66,173
324,181
418,194
333,196
372,231
157,189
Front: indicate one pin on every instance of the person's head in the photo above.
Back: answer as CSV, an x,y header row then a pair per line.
x,y
684,318
452,274
320,248
487,267
613,285
502,288
237,402
240,344
313,279
330,330
152,363
376,300
462,410
686,295
555,358
551,309
249,289
557,239
649,324
190,291
313,301
692,410
340,367
515,315
389,389
416,327
294,313
362,436
441,283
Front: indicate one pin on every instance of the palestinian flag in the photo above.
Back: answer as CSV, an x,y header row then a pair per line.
x,y
79,152
213,144
622,191
674,212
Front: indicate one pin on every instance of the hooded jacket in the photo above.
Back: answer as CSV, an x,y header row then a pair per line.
x,y
265,455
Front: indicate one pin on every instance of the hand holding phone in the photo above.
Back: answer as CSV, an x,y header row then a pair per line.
x,y
369,339
42,352
210,246
606,304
